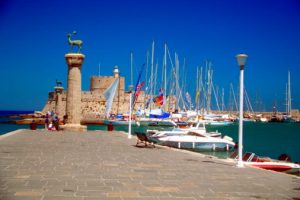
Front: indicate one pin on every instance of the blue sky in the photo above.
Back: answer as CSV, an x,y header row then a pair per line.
x,y
33,43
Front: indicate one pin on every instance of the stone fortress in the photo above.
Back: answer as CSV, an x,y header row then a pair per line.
x,y
93,102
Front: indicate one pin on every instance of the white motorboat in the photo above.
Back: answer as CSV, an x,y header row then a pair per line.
x,y
156,122
192,140
199,128
218,123
196,128
119,122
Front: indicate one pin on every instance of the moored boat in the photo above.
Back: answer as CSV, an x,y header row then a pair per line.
x,y
290,168
156,122
119,122
196,141
195,128
250,159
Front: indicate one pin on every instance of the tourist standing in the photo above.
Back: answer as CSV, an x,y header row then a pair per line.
x,y
46,121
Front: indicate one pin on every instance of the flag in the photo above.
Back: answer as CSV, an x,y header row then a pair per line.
x,y
137,92
159,100
138,89
137,84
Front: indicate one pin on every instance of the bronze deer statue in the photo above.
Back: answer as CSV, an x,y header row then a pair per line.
x,y
72,43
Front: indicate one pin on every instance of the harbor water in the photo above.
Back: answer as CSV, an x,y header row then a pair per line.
x,y
264,139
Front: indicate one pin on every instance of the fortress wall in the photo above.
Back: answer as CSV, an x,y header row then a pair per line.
x,y
93,101
101,83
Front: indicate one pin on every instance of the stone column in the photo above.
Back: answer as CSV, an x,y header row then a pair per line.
x,y
58,103
73,106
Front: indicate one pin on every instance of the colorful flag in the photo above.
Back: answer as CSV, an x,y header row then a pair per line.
x,y
138,89
138,84
159,100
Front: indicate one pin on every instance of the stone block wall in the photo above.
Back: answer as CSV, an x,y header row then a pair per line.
x,y
93,101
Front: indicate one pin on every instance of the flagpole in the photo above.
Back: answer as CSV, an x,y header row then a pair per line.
x,y
130,94
130,108
165,78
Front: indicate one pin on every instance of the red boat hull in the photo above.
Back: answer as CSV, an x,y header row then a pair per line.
x,y
276,166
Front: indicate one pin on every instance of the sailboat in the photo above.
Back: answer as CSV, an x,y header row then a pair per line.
x,y
109,94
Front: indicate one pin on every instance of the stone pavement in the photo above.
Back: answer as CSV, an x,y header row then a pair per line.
x,y
106,165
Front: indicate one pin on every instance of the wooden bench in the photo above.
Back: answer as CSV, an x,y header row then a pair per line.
x,y
142,138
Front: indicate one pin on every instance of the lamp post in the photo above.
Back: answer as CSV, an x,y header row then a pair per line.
x,y
241,59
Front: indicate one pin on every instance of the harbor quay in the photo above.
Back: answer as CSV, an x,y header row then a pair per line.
x,y
44,165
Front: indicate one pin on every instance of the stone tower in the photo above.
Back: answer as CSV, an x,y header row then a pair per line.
x,y
73,105
116,72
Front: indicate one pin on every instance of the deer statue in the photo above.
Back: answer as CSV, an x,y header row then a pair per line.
x,y
72,43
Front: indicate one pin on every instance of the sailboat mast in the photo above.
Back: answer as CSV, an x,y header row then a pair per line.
x,y
289,94
155,77
248,103
222,99
234,99
131,68
130,94
165,78
200,88
177,80
209,87
146,82
151,79
216,96
197,89
286,99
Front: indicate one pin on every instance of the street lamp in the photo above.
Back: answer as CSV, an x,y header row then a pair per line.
x,y
241,59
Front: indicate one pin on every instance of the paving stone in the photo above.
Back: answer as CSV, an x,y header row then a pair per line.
x,y
101,165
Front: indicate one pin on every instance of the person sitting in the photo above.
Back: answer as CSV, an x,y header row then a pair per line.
x,y
51,127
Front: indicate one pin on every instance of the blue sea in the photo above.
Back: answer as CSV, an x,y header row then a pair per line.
x,y
264,139
7,127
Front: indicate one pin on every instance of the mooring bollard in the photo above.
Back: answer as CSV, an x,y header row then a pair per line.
x,y
110,127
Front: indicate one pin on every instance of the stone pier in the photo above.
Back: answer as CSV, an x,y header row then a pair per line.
x,y
73,106
44,165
